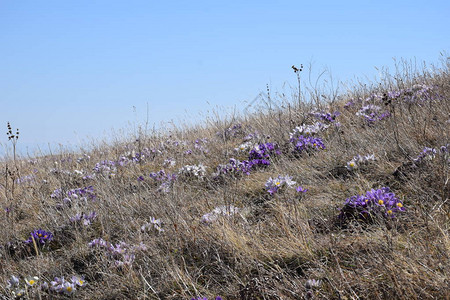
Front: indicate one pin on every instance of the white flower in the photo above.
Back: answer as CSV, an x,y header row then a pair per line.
x,y
78,281
69,288
31,281
220,211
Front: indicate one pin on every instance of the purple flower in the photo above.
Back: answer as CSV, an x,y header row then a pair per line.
x,y
307,143
41,237
327,117
264,151
380,201
301,190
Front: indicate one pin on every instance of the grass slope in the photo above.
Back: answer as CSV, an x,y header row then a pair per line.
x,y
127,230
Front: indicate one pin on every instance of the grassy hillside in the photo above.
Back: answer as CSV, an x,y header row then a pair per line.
x,y
343,197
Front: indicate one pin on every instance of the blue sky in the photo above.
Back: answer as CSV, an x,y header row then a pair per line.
x,y
76,69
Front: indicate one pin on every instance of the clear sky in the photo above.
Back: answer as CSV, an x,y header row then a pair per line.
x,y
72,69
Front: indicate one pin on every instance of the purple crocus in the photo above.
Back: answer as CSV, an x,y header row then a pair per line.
x,y
40,237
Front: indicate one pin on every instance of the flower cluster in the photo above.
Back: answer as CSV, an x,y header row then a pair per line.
x,y
261,154
84,219
19,290
165,179
199,145
153,224
82,194
136,157
372,113
25,179
416,93
169,162
226,211
196,171
327,117
380,201
234,167
230,132
105,167
61,286
358,161
30,286
122,253
245,147
307,143
426,154
275,184
40,237
307,130
429,154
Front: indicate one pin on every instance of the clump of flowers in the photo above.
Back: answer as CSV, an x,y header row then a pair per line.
x,y
165,179
26,179
374,202
105,167
326,117
245,147
307,143
74,196
372,113
358,161
426,154
84,219
169,162
121,253
153,224
231,132
199,145
19,289
40,237
261,154
193,171
61,286
235,167
273,185
417,93
223,210
310,285
307,130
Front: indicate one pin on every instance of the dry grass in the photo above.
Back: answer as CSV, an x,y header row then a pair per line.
x,y
275,244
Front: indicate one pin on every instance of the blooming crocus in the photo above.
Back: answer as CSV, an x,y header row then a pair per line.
x,y
69,288
31,281
40,237
79,281
301,189
359,160
312,283
19,293
13,282
375,201
223,210
273,185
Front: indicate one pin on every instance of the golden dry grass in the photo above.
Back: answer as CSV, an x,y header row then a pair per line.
x,y
275,244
